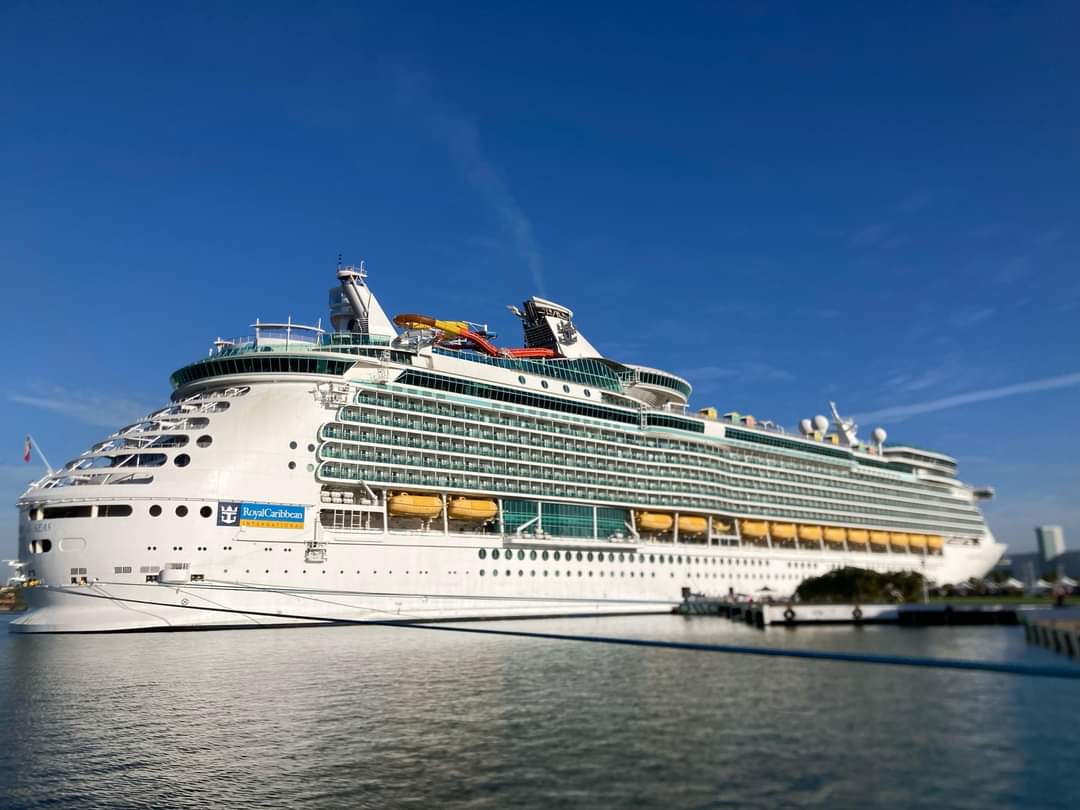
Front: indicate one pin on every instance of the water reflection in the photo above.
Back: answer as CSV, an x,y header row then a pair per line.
x,y
375,717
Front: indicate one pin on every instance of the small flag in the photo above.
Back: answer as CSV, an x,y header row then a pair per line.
x,y
27,447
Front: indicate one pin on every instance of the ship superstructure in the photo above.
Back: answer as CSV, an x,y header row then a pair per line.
x,y
411,469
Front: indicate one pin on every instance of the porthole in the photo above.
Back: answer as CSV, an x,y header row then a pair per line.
x,y
588,393
579,556
521,379
155,510
311,468
204,441
521,555
311,448
495,554
182,460
543,555
589,557
181,511
566,388
543,383
481,572
555,556
483,554
292,445
292,465
532,554
206,511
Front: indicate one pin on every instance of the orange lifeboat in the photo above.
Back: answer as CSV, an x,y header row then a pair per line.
x,y
782,531
692,524
721,526
471,509
420,506
810,534
835,534
858,537
935,541
654,521
879,538
917,541
754,528
899,539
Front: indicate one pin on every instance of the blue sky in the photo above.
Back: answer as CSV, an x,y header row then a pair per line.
x,y
785,204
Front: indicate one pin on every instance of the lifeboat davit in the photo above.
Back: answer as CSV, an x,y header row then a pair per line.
x,y
471,509
835,534
692,524
753,528
654,521
783,531
810,534
420,506
721,526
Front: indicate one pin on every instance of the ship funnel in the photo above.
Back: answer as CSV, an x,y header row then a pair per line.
x,y
354,308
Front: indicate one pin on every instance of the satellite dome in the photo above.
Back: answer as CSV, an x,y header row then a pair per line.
x,y
806,427
821,424
879,435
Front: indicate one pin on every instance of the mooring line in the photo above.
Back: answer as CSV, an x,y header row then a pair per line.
x,y
1072,673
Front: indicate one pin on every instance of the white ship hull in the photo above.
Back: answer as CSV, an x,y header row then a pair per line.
x,y
397,580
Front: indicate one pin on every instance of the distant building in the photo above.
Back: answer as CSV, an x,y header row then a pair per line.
x,y
1051,541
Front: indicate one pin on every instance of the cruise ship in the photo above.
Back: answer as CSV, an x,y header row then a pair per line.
x,y
411,469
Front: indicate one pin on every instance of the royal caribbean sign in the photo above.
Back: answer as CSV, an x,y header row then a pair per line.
x,y
260,515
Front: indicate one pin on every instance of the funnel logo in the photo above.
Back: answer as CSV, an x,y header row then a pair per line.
x,y
260,515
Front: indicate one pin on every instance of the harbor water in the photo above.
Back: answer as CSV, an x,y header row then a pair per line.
x,y
408,717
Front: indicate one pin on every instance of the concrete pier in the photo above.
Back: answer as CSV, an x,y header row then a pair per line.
x,y
760,614
1057,630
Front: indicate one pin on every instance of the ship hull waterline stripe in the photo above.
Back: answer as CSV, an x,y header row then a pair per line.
x,y
730,649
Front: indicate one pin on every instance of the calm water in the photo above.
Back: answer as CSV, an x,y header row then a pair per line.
x,y
377,717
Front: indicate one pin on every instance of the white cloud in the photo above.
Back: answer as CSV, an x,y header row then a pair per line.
x,y
739,372
89,407
460,136
900,412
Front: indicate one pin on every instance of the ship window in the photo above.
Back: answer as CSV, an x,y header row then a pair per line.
x,y
588,393
495,554
206,511
204,441
521,555
155,510
532,555
311,448
543,556
543,383
292,465
556,556
181,511
292,445
566,388
521,379
182,460
483,554
53,512
114,510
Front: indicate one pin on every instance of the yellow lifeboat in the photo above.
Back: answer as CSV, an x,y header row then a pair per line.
x,y
917,541
471,509
721,526
858,537
810,534
899,539
753,528
834,534
782,531
421,506
692,524
879,538
935,541
654,521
